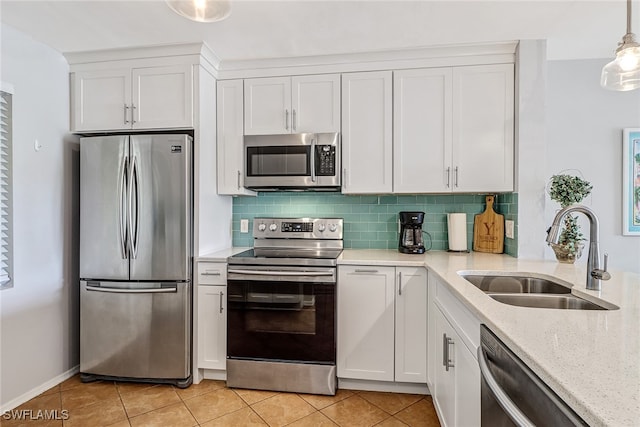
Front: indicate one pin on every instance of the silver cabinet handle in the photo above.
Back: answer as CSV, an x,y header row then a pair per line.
x,y
400,283
126,109
239,179
286,119
512,410
221,298
448,173
446,357
344,178
132,291
358,270
133,114
293,119
455,177
210,273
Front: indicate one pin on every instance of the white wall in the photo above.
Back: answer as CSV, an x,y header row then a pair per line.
x,y
584,132
39,315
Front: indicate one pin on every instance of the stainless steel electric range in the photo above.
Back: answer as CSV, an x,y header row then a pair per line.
x,y
281,327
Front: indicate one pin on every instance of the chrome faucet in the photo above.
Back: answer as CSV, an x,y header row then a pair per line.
x,y
594,273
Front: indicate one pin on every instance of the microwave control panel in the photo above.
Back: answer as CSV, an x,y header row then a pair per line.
x,y
325,160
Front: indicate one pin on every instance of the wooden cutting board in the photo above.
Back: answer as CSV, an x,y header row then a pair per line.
x,y
488,230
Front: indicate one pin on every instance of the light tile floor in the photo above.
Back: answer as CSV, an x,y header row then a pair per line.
x,y
211,403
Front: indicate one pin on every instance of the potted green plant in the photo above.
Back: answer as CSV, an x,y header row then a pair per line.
x,y
568,190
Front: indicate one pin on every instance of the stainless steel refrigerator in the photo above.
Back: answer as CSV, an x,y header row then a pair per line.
x,y
135,258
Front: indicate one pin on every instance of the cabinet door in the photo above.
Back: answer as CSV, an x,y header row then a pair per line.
x,y
267,106
365,344
315,103
411,325
483,98
422,130
101,100
163,97
230,138
367,132
212,327
467,387
444,392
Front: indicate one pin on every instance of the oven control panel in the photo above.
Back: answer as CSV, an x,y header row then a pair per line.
x,y
298,228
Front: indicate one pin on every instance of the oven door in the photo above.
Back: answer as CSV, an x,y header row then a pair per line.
x,y
281,313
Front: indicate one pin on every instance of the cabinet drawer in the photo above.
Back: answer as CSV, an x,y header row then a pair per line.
x,y
212,273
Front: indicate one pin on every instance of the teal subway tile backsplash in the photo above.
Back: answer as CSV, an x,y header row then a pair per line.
x,y
371,222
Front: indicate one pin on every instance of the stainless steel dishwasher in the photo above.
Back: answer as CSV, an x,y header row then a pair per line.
x,y
512,395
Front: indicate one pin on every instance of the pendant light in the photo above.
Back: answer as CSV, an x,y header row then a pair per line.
x,y
623,73
201,10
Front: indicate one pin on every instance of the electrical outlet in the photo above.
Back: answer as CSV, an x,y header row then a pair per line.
x,y
509,229
244,225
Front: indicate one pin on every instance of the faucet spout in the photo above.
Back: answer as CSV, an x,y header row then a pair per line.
x,y
594,273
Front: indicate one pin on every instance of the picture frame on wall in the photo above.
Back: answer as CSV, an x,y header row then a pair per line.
x,y
631,182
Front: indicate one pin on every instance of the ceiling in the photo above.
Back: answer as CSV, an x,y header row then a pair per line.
x,y
276,29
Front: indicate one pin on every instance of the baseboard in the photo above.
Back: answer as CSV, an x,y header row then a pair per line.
x,y
214,374
39,389
386,386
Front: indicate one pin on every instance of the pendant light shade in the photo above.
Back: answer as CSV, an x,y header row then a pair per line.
x,y
201,10
623,73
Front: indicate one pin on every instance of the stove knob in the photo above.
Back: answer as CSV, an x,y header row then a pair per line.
x,y
333,227
262,227
321,227
273,227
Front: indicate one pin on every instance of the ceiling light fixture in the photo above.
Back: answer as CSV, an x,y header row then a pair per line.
x,y
623,73
201,10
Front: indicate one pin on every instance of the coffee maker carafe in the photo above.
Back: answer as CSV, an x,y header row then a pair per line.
x,y
411,233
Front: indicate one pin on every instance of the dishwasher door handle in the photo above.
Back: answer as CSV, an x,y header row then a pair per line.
x,y
512,410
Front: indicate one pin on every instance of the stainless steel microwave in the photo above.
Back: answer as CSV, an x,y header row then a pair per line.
x,y
302,161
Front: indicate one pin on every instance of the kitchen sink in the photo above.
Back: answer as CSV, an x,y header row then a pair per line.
x,y
570,302
516,284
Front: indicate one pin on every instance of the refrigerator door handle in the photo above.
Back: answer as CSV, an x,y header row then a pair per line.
x,y
133,180
122,197
133,291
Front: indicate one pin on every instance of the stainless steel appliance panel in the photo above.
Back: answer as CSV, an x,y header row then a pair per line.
x,y
134,330
160,207
104,175
303,161
512,394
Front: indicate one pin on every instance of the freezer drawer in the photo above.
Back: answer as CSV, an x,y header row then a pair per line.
x,y
136,330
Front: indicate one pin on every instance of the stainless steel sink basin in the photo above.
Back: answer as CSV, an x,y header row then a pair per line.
x,y
570,302
516,284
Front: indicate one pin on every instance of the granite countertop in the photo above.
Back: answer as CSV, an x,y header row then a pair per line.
x,y
590,358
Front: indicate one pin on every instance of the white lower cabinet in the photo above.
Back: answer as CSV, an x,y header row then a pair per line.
x,y
211,327
454,372
382,323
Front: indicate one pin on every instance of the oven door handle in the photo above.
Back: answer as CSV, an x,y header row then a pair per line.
x,y
282,273
512,410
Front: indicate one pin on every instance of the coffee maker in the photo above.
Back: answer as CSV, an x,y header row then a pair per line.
x,y
411,241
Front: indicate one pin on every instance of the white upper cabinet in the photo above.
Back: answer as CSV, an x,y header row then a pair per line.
x,y
367,133
483,119
422,130
132,98
453,129
277,105
230,138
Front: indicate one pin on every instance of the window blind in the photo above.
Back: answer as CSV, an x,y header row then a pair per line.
x,y
6,223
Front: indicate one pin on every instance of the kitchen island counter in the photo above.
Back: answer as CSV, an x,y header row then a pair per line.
x,y
590,358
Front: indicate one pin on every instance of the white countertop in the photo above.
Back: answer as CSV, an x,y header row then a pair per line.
x,y
590,358
221,255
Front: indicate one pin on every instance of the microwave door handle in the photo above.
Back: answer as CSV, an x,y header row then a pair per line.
x,y
313,160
